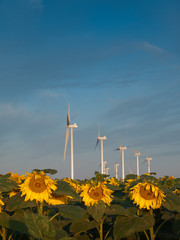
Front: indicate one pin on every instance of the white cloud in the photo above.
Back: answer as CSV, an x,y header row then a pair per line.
x,y
150,47
7,109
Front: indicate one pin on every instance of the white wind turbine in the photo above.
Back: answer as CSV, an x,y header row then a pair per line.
x,y
71,126
116,166
102,157
137,154
148,160
121,149
104,169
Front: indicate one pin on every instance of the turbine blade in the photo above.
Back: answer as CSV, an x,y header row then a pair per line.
x,y
66,142
99,132
117,149
133,149
68,115
97,143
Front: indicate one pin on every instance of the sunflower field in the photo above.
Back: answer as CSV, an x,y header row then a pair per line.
x,y
38,206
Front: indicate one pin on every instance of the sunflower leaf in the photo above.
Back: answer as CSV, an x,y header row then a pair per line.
x,y
97,210
176,228
6,184
17,202
14,222
172,201
82,225
39,226
63,188
126,226
71,211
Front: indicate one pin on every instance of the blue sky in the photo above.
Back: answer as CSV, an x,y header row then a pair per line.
x,y
118,65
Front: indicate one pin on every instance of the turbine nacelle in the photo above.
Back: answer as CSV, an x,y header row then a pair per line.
x,y
102,138
72,125
122,148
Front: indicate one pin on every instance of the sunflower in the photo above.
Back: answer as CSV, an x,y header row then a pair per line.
x,y
56,199
17,178
1,203
113,181
73,184
93,194
37,186
146,195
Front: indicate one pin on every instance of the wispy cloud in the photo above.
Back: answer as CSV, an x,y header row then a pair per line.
x,y
152,48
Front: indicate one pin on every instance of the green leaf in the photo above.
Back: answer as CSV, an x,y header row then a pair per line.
x,y
172,201
15,222
39,226
17,202
176,226
71,211
6,184
82,225
126,226
97,211
63,188
116,209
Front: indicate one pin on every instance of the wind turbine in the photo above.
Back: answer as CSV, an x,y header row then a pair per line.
x,y
121,149
137,154
104,169
71,126
102,159
148,159
116,166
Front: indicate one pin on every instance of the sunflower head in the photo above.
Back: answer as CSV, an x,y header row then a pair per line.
x,y
92,194
37,186
147,196
1,203
113,181
57,199
17,178
75,185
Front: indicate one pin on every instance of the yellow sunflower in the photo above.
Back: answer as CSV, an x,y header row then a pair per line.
x,y
57,199
93,194
177,192
1,203
127,184
113,181
17,178
74,184
37,186
146,195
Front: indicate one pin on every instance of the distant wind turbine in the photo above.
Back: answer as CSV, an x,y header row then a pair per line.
x,y
137,154
102,157
71,126
121,149
116,166
148,159
104,169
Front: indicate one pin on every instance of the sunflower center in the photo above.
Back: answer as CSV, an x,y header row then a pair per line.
x,y
146,194
38,185
97,193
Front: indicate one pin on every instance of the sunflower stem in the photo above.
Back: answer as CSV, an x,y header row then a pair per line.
x,y
3,234
151,229
101,230
40,208
147,237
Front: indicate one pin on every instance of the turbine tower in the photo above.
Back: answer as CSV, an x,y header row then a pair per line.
x,y
116,166
102,157
104,169
148,159
71,126
121,149
137,154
